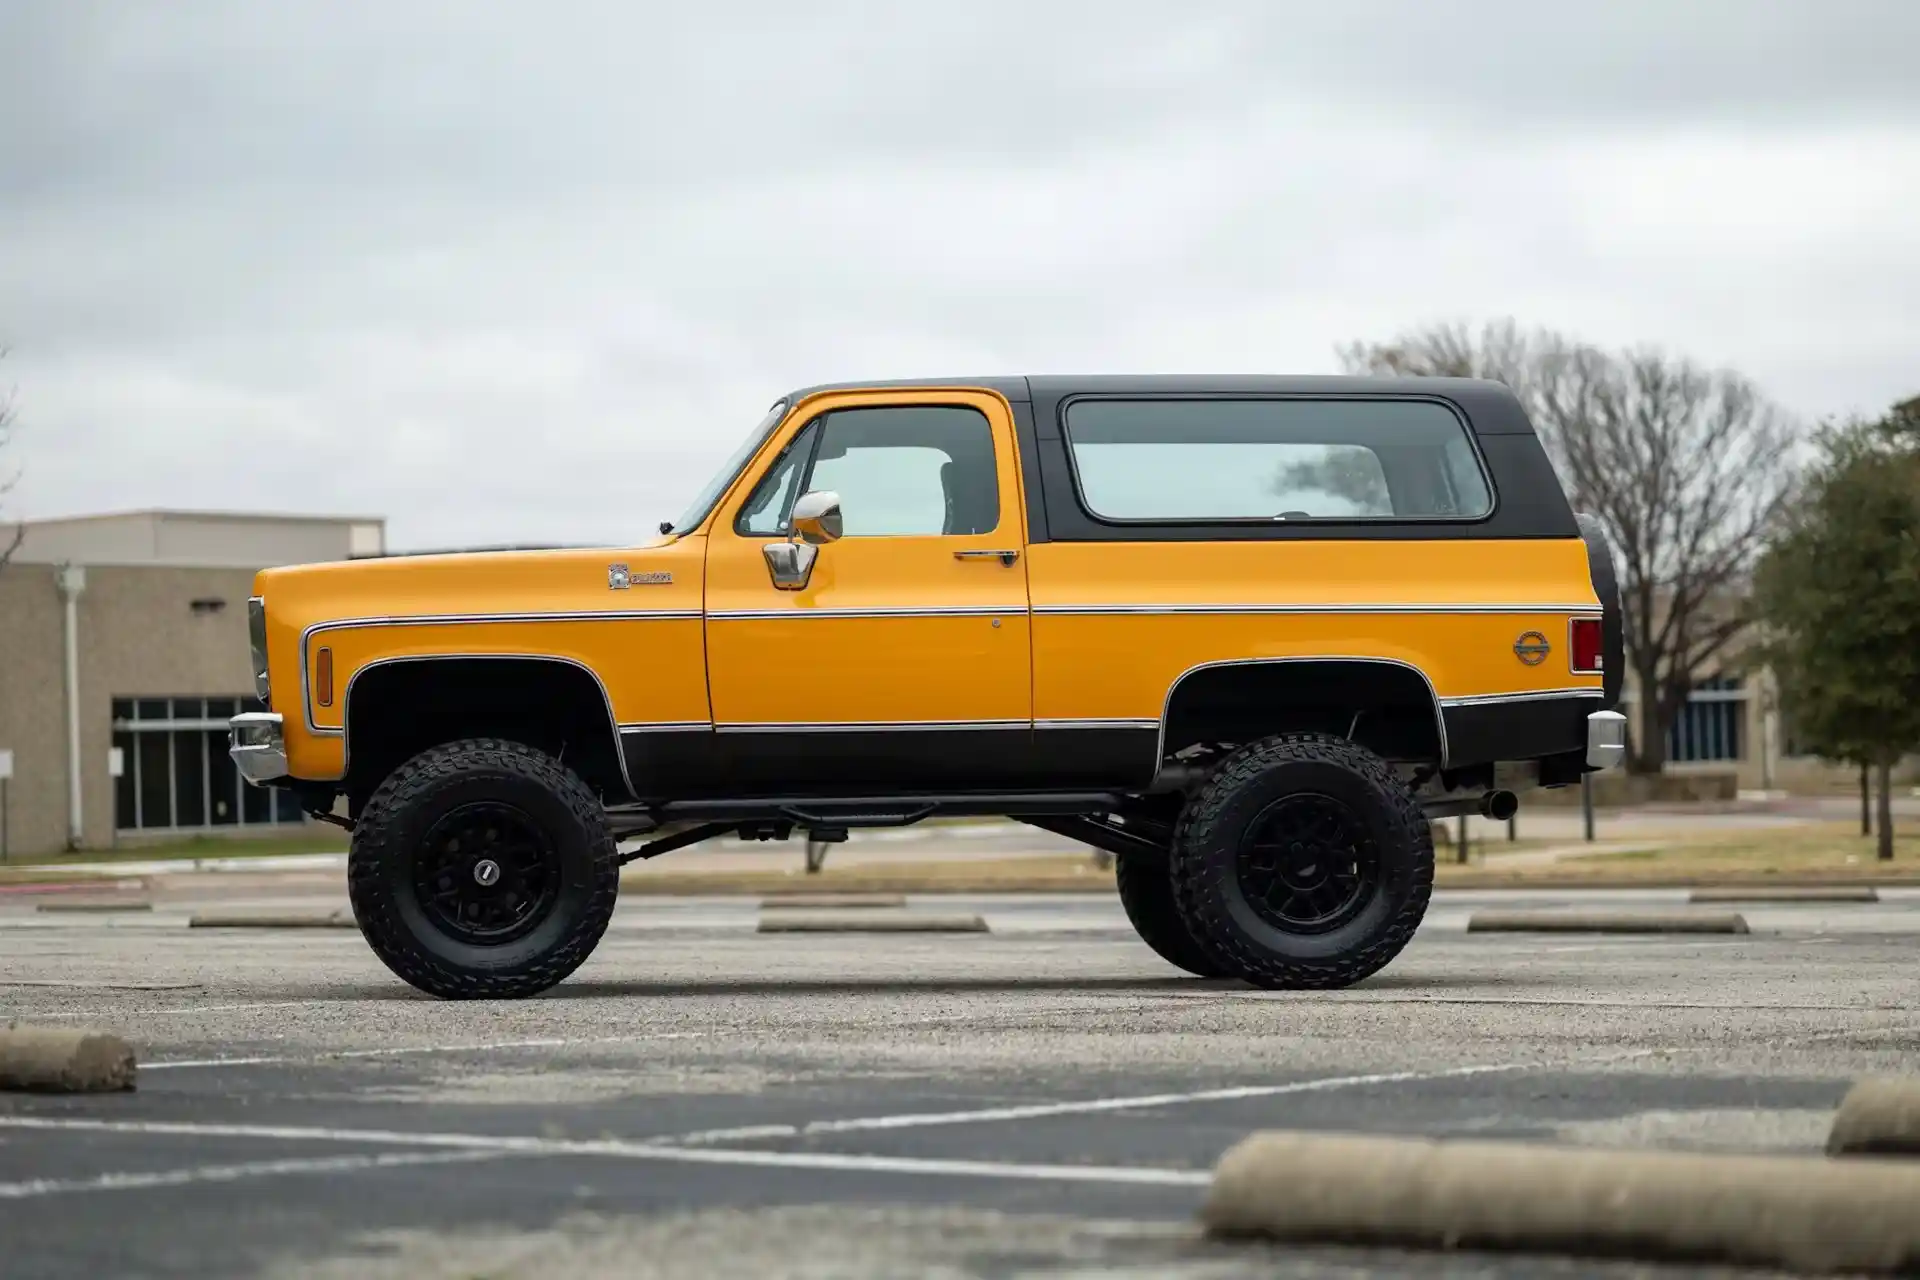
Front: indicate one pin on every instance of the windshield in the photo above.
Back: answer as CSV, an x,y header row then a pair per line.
x,y
729,471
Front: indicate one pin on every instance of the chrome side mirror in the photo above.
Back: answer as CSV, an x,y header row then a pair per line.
x,y
790,564
816,517
814,523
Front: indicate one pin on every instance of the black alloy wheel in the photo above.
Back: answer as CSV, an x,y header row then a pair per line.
x,y
1304,864
486,873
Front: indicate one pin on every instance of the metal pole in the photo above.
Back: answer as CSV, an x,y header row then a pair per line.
x,y
1460,855
1586,803
5,856
1513,830
72,580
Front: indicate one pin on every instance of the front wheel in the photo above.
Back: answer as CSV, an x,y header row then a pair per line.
x,y
483,868
1303,862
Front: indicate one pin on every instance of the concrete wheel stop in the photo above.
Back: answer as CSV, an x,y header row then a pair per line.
x,y
1606,922
868,920
93,905
1805,1214
63,1060
341,918
1878,1117
1785,893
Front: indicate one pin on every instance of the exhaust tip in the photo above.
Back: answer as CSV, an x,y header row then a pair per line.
x,y
1499,805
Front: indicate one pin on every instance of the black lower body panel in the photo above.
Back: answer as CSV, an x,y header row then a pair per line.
x,y
1516,729
692,764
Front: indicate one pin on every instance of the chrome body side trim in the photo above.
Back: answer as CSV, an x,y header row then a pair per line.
x,y
346,702
668,726
1606,739
900,611
1439,715
1099,722
1068,610
258,749
463,619
1537,695
871,726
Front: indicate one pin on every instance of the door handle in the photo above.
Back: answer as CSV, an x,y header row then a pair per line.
x,y
1004,557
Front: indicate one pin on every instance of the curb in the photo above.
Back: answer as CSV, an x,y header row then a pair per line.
x,y
868,920
88,905
63,1060
1877,1117
1605,922
1797,1213
1809,893
338,919
832,901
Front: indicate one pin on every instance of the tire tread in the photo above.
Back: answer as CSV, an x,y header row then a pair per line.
x,y
409,786
1197,879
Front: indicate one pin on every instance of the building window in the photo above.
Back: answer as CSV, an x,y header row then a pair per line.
x,y
176,774
1711,725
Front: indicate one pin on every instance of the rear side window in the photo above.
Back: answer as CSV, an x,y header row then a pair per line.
x,y
1275,460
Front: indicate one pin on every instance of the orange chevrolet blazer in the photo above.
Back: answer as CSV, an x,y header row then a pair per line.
x,y
1249,635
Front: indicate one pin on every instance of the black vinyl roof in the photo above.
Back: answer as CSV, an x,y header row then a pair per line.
x,y
1490,406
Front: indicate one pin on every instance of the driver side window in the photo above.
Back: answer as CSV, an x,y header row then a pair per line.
x,y
921,470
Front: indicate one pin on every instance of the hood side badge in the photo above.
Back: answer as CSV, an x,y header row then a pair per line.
x,y
619,578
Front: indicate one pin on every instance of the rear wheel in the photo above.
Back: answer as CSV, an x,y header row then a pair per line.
x,y
1146,891
1303,861
482,868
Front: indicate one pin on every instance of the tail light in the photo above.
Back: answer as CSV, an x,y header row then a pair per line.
x,y
1587,646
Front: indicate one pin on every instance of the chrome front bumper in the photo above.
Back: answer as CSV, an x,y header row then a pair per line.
x,y
1606,739
258,750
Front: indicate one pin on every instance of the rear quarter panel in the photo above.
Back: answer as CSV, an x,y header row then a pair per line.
x,y
1116,624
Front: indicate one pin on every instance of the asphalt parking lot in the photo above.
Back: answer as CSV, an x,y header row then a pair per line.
x,y
1043,1099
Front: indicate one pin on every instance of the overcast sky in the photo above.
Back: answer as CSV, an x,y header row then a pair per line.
x,y
513,272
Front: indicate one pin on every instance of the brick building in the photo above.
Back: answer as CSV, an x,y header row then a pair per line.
x,y
143,616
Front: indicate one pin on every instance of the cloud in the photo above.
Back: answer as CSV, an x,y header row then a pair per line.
x,y
511,273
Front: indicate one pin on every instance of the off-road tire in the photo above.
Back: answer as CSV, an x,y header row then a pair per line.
x,y
1388,822
388,836
1146,891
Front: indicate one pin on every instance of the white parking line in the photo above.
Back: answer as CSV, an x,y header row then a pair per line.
x,y
236,1172
616,1149
399,1051
1090,1106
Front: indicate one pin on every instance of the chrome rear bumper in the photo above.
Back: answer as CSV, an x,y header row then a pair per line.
x,y
1606,739
258,749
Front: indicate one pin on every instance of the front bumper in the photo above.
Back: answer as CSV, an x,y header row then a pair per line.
x,y
258,749
1606,739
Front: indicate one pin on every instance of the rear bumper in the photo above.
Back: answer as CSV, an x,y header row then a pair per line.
x,y
1606,739
258,749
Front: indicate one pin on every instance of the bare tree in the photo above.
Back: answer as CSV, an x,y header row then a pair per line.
x,y
9,542
1685,468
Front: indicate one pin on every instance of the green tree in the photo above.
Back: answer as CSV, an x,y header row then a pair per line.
x,y
1838,592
